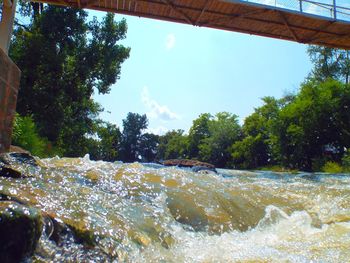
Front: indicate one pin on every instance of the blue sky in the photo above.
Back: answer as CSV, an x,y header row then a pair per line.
x,y
176,72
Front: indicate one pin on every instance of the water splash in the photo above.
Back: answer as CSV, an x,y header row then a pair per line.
x,y
105,212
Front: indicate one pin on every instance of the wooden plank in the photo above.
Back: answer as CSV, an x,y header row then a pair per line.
x,y
206,5
288,26
179,11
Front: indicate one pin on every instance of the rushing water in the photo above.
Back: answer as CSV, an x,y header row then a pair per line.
x,y
148,213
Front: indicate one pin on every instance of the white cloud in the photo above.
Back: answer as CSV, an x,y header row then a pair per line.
x,y
170,41
160,130
157,111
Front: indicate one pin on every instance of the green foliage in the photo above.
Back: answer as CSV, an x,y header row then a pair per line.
x,y
148,147
317,120
131,139
258,147
65,59
278,169
301,131
346,161
198,132
224,130
25,135
332,167
318,163
172,145
251,152
106,146
329,63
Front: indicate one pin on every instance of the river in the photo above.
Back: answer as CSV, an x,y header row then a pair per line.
x,y
115,212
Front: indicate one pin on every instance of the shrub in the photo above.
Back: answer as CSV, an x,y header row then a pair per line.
x,y
318,164
332,167
25,135
346,161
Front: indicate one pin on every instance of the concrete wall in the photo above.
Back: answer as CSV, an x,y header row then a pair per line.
x,y
9,84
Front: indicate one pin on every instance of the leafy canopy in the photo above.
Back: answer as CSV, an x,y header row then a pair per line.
x,y
64,59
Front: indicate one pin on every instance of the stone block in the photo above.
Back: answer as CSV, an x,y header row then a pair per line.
x,y
9,85
4,65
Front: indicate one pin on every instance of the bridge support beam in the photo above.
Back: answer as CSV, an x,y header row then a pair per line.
x,y
9,77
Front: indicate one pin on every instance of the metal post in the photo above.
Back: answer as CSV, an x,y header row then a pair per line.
x,y
335,9
6,24
301,5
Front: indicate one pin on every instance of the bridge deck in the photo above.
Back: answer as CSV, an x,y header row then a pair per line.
x,y
232,15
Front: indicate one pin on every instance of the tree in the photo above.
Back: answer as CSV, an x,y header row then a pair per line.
x,y
251,152
173,145
106,146
224,131
64,59
198,132
131,139
258,148
315,124
329,63
148,147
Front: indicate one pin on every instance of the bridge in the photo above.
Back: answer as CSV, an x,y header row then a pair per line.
x,y
319,22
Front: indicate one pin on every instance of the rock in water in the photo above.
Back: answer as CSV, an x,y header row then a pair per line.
x,y
195,165
8,172
20,230
203,170
18,158
17,165
17,149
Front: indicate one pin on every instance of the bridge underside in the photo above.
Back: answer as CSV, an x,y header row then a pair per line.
x,y
231,15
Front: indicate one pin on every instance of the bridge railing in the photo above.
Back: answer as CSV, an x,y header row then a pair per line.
x,y
334,9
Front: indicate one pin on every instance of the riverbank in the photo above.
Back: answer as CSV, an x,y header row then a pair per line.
x,y
329,167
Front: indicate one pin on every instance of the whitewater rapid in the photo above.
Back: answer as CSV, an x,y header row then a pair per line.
x,y
116,212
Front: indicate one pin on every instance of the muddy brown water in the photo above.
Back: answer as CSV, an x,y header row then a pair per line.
x,y
149,213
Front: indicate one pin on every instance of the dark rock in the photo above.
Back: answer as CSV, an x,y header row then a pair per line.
x,y
20,230
57,231
17,149
83,235
203,169
18,158
7,197
8,172
187,163
17,165
63,229
195,165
